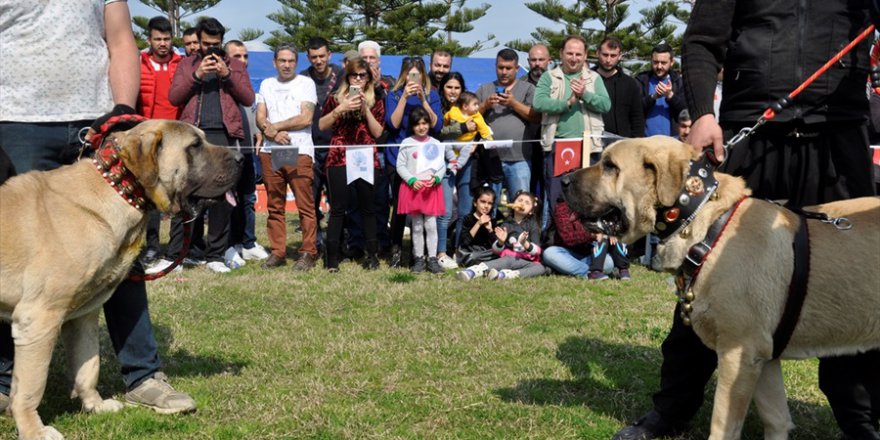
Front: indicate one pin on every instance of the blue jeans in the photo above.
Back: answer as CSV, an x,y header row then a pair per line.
x,y
567,262
448,183
465,198
250,221
517,177
48,146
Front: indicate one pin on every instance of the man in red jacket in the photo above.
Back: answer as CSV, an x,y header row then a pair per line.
x,y
210,86
158,65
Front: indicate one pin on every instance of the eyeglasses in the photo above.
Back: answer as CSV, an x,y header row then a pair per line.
x,y
360,75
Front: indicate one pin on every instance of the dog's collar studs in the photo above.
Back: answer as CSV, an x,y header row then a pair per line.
x,y
699,188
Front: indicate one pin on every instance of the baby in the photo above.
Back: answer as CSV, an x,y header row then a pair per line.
x,y
466,108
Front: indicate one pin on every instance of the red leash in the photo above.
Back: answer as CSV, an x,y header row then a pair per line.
x,y
786,101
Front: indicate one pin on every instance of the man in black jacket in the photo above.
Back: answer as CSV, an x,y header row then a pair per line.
x,y
662,92
814,151
626,117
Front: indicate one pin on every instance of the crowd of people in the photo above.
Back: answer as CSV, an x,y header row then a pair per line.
x,y
475,174
314,131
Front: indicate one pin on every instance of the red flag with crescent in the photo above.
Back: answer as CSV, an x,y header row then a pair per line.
x,y
567,155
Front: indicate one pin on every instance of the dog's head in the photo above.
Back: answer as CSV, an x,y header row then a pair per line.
x,y
179,170
620,194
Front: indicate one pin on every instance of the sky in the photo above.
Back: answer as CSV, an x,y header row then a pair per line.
x,y
508,20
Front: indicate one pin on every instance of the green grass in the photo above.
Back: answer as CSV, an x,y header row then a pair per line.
x,y
386,354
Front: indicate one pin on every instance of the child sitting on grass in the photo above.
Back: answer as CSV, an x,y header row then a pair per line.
x,y
519,255
477,230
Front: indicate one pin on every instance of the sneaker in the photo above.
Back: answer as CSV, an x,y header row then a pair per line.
x,y
434,266
160,266
502,274
419,265
598,275
466,275
447,262
624,275
305,263
232,259
157,394
219,267
255,253
188,261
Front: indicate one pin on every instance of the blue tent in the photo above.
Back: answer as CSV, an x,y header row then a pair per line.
x,y
476,71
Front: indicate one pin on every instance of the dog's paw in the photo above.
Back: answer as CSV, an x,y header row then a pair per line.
x,y
50,433
104,406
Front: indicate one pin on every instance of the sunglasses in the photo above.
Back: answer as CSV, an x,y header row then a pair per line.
x,y
360,75
414,60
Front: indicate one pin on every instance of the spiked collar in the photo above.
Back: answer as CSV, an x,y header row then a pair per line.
x,y
109,164
699,187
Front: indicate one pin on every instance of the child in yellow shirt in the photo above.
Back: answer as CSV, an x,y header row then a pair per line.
x,y
467,108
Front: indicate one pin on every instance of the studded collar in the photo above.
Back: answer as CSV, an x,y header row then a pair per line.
x,y
109,164
699,187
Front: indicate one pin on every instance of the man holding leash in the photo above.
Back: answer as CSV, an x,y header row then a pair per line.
x,y
820,144
40,132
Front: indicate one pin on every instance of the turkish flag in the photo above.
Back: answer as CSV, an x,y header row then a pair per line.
x,y
566,155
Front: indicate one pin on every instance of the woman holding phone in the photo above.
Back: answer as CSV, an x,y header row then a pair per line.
x,y
356,118
412,89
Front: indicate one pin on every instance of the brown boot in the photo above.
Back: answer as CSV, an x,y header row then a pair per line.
x,y
273,262
305,263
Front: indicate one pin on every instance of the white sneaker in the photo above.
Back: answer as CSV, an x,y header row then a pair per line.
x,y
447,262
161,265
255,253
218,267
232,259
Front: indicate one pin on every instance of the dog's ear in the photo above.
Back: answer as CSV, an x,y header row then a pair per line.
x,y
670,167
140,155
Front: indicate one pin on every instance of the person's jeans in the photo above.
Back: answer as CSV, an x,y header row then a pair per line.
x,y
250,221
45,147
567,262
465,198
448,183
517,176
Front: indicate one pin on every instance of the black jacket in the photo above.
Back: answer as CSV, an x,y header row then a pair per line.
x,y
676,104
768,48
626,117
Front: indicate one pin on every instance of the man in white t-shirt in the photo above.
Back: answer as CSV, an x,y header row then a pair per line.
x,y
285,107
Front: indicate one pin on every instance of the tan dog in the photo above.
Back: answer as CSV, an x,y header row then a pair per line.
x,y
67,239
741,291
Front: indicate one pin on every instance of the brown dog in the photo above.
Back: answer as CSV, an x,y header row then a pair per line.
x,y
67,239
741,291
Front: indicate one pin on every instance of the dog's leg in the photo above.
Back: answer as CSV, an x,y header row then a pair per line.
x,y
83,362
738,372
34,330
771,402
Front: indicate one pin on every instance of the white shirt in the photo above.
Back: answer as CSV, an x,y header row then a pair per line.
x,y
54,64
284,100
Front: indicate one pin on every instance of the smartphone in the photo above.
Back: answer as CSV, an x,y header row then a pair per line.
x,y
216,51
500,90
354,91
413,77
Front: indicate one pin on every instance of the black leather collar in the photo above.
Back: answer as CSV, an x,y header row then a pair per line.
x,y
699,186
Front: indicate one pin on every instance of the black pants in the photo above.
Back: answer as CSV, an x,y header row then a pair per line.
x,y
398,221
806,165
246,185
218,218
601,249
339,193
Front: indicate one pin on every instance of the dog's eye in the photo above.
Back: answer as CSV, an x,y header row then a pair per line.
x,y
195,144
609,167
